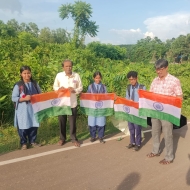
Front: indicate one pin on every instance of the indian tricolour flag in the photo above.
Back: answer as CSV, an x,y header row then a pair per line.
x,y
97,104
51,104
160,106
129,111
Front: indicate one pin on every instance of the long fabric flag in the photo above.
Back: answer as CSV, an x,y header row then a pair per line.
x,y
97,104
160,106
51,104
129,111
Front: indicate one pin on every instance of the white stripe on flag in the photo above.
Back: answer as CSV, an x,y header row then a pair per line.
x,y
92,104
65,101
132,110
169,109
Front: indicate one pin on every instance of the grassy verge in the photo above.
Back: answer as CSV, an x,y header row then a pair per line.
x,y
48,133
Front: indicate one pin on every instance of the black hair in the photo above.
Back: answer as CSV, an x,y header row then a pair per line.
x,y
66,60
161,63
96,74
23,68
132,74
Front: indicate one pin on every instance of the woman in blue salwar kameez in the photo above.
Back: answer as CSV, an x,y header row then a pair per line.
x,y
24,118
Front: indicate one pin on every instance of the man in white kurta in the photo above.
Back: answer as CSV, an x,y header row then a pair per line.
x,y
72,81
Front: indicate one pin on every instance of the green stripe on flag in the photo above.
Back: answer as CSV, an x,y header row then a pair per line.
x,y
131,118
97,112
53,111
159,115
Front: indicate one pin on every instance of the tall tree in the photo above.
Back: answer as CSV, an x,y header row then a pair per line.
x,y
80,12
46,35
33,29
14,24
60,36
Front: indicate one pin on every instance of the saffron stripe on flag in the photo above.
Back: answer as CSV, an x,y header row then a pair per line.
x,y
171,100
97,97
50,95
125,101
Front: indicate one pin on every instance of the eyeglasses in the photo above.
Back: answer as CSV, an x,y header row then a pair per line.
x,y
160,69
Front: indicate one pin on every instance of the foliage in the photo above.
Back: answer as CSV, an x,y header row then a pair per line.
x,y
44,50
80,12
107,51
48,133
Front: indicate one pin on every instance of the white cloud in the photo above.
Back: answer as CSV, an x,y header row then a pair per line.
x,y
169,26
89,39
163,27
126,36
150,34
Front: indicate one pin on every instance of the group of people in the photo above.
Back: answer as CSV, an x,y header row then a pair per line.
x,y
27,125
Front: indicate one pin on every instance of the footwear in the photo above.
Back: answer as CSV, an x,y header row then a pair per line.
x,y
165,162
24,147
61,143
34,145
76,143
136,148
92,139
151,155
130,146
102,140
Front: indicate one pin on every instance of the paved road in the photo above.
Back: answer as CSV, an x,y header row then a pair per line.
x,y
95,166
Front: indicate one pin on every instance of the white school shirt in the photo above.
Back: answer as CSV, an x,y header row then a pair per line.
x,y
74,81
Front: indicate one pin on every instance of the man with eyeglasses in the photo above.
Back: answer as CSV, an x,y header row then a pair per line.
x,y
165,84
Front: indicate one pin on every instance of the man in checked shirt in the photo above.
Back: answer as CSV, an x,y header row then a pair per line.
x,y
165,84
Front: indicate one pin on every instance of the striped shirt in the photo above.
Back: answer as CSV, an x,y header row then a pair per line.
x,y
170,86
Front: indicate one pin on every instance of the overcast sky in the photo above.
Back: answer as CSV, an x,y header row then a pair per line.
x,y
120,21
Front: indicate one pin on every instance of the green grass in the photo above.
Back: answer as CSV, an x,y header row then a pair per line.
x,y
48,133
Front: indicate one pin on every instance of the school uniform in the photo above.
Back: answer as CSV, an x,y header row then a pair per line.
x,y
24,118
134,129
96,123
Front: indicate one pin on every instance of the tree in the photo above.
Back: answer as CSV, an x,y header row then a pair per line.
x,y
14,24
80,12
107,51
6,30
28,39
33,29
61,36
46,35
180,49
